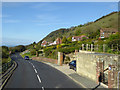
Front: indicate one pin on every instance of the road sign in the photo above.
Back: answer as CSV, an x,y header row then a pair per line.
x,y
110,68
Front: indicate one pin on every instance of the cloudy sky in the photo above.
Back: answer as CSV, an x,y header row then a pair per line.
x,y
26,22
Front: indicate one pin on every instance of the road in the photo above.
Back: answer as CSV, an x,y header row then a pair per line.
x,y
34,74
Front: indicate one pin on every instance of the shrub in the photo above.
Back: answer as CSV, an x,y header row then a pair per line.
x,y
67,50
33,52
5,52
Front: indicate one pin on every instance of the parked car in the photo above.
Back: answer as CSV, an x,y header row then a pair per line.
x,y
26,57
72,65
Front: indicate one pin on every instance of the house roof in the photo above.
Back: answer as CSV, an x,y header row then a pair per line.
x,y
109,29
76,37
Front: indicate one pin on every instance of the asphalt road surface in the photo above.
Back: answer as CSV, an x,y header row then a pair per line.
x,y
33,74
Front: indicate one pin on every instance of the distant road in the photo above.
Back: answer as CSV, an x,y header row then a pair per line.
x,y
33,74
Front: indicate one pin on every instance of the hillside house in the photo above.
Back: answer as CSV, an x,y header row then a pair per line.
x,y
106,32
56,42
78,38
44,43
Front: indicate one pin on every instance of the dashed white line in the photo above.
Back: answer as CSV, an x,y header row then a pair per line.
x,y
37,74
33,66
42,88
38,78
35,70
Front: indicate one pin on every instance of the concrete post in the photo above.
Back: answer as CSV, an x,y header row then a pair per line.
x,y
91,47
76,52
60,58
82,46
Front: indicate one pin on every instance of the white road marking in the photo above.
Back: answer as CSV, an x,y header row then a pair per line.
x,y
35,70
37,75
38,78
42,88
33,66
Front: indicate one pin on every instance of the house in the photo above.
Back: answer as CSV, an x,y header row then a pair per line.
x,y
56,42
106,32
44,43
78,38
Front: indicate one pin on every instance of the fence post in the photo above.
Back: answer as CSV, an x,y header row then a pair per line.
x,y
91,47
82,46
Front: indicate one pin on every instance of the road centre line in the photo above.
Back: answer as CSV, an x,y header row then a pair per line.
x,y
33,66
42,88
38,78
35,70
37,74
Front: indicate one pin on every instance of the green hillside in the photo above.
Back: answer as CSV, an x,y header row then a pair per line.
x,y
90,28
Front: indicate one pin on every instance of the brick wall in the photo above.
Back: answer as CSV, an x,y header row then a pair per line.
x,y
55,61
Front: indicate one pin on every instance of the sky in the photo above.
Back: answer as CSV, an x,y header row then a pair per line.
x,y
26,22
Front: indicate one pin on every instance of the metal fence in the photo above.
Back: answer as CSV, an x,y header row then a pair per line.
x,y
6,66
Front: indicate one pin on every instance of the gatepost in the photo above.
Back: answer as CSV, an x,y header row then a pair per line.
x,y
60,58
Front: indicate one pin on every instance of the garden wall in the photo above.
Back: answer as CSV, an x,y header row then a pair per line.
x,y
91,64
55,61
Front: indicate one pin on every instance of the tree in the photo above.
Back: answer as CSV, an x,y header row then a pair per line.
x,y
5,52
69,39
64,40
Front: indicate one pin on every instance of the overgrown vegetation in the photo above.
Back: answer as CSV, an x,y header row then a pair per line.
x,y
90,29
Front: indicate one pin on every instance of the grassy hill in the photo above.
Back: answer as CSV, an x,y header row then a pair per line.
x,y
108,21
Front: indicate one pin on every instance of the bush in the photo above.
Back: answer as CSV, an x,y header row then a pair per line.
x,y
68,50
5,52
47,51
33,52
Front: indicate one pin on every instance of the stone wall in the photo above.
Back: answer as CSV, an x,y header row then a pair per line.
x,y
86,65
55,61
91,64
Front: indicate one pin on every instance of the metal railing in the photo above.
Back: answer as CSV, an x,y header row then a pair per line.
x,y
6,66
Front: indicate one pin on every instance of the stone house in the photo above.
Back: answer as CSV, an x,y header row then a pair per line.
x,y
106,32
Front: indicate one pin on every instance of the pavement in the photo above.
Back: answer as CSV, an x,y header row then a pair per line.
x,y
83,81
34,74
